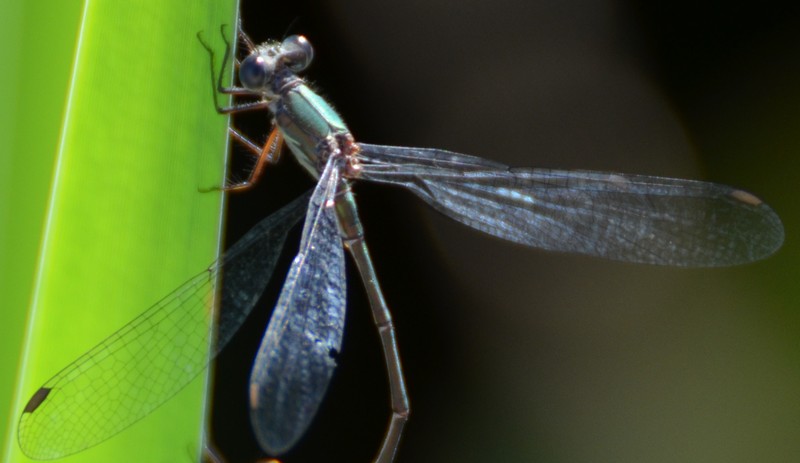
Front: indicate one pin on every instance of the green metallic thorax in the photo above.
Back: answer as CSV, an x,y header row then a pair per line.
x,y
306,121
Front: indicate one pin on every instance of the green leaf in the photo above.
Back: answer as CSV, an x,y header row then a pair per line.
x,y
108,135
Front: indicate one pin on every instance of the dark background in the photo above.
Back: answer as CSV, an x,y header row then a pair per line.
x,y
520,355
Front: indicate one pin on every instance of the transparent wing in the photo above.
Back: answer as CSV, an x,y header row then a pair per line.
x,y
295,362
634,218
146,362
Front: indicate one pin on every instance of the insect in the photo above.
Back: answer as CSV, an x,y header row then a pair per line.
x,y
632,218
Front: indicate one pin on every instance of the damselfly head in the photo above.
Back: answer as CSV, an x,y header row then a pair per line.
x,y
270,59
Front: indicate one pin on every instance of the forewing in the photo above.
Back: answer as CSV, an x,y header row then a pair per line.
x,y
146,362
295,362
634,218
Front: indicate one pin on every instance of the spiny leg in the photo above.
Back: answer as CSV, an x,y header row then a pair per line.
x,y
251,47
353,238
270,152
217,87
267,154
216,78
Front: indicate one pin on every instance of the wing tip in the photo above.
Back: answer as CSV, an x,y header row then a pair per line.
x,y
36,399
746,197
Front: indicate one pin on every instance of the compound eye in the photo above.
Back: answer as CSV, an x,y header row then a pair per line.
x,y
297,52
255,72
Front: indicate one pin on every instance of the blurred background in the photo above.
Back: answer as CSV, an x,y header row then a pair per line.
x,y
514,354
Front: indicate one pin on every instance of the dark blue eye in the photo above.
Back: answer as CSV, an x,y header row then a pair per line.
x,y
297,52
254,72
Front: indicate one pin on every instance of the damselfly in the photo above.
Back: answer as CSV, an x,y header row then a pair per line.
x,y
633,218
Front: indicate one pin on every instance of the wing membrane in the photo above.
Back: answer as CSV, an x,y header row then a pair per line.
x,y
633,218
295,363
138,368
